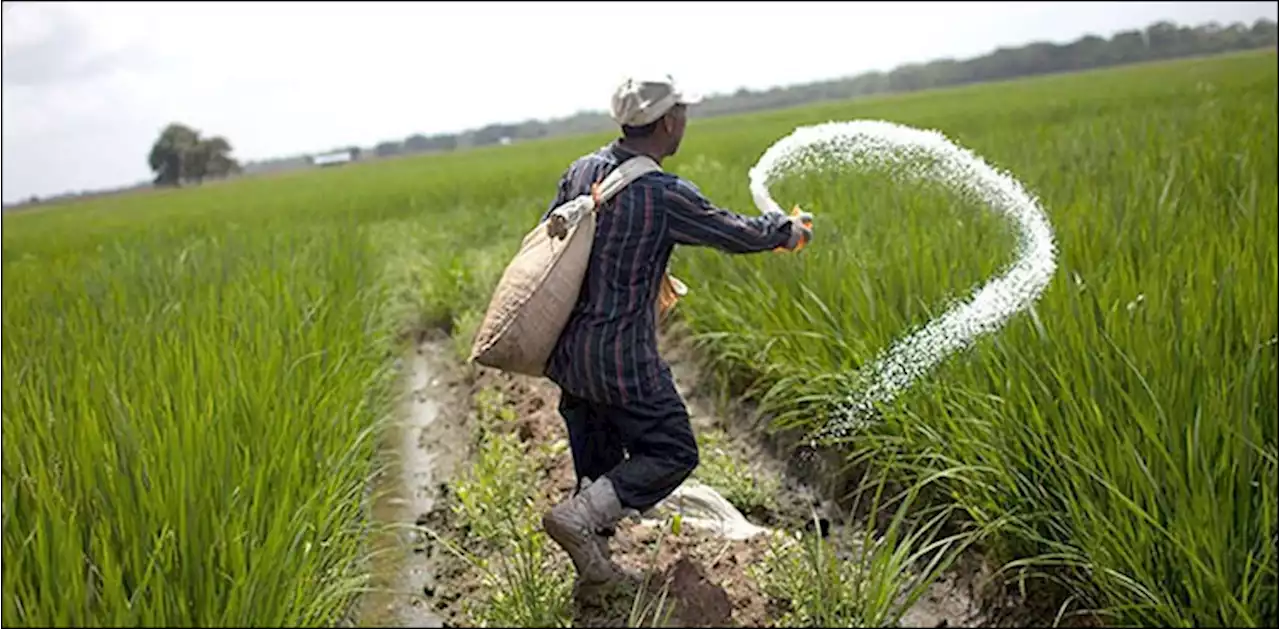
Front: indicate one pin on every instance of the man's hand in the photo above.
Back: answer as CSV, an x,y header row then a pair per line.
x,y
801,230
669,293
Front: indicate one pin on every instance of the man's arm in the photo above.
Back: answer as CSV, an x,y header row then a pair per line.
x,y
693,220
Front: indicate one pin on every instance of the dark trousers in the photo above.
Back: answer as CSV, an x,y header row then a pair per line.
x,y
646,449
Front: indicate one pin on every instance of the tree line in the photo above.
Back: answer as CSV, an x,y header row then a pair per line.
x,y
1159,41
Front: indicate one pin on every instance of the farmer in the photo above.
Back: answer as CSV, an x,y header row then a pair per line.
x,y
628,427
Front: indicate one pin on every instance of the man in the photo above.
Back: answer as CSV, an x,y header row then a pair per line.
x,y
628,427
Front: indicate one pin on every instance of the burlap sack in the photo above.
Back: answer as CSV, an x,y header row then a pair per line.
x,y
540,286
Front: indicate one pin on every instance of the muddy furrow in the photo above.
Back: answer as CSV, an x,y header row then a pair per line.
x,y
423,450
707,573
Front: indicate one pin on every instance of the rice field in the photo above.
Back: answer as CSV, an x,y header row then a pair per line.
x,y
194,380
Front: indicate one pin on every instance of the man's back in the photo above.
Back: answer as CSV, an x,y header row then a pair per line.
x,y
608,351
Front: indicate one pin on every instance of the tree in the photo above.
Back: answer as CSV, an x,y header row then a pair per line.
x,y
216,158
492,134
167,154
387,148
181,155
417,143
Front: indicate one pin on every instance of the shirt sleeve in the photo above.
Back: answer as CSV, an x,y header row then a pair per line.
x,y
693,220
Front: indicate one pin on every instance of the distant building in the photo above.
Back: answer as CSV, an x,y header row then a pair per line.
x,y
336,158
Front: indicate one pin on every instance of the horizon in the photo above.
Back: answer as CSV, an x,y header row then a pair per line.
x,y
88,87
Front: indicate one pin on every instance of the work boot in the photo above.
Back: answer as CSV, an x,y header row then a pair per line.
x,y
573,525
604,535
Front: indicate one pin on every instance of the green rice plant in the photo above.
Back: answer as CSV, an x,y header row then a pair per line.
x,y
1126,426
863,578
188,439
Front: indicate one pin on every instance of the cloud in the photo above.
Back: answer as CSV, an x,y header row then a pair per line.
x,y
46,45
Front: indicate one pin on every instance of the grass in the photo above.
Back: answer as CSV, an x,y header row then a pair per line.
x,y
1128,425
863,578
193,379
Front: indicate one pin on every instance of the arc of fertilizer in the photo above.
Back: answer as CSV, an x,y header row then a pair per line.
x,y
904,154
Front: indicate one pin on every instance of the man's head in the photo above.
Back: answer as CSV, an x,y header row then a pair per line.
x,y
652,113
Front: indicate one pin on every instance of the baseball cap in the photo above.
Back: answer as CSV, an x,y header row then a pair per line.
x,y
640,101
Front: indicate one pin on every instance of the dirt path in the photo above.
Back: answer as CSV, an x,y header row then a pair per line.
x,y
707,576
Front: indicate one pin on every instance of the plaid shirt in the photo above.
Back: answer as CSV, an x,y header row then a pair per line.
x,y
608,351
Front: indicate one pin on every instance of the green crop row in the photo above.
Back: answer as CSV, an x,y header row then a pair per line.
x,y
193,379
1127,424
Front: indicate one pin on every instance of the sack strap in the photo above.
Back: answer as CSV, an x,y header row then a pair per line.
x,y
571,212
621,177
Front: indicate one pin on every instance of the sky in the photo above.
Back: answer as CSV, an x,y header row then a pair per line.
x,y
87,87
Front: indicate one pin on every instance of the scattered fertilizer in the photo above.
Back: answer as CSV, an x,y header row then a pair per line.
x,y
905,155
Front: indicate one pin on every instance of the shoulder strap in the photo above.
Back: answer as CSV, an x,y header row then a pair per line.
x,y
570,212
624,174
